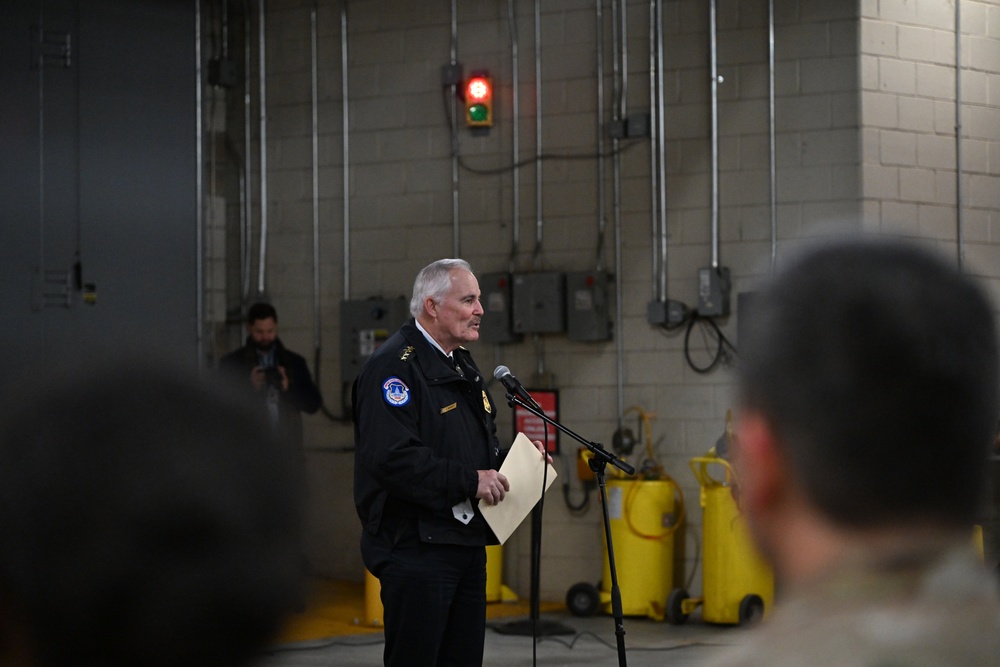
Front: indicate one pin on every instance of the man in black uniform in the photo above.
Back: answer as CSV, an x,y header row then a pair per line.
x,y
276,376
426,454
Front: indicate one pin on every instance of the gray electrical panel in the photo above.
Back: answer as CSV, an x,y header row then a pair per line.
x,y
713,292
587,306
495,326
364,325
538,302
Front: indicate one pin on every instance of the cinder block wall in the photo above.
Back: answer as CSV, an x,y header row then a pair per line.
x,y
859,144
909,117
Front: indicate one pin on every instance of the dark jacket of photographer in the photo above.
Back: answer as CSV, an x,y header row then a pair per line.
x,y
302,395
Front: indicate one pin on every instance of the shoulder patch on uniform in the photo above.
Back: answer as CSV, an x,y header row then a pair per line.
x,y
396,392
407,351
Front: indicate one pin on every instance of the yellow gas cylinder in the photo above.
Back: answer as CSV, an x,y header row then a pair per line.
x,y
642,518
494,573
737,584
373,600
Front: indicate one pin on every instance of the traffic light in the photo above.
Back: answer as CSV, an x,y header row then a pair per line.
x,y
479,100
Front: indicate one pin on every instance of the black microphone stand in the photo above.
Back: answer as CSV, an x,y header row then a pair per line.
x,y
598,463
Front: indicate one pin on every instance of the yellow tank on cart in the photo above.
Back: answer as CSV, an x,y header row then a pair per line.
x,y
737,585
643,519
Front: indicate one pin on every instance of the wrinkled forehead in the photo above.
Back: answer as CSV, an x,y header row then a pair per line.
x,y
463,285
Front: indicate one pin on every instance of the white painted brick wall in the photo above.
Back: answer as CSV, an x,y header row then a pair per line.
x,y
865,120
926,110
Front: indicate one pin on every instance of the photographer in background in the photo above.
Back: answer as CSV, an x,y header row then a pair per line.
x,y
278,377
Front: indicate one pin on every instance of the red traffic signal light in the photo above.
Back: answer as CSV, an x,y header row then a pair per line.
x,y
479,101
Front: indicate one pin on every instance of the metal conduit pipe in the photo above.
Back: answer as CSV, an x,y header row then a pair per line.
x,y
246,232
616,91
661,148
456,241
601,196
771,134
346,150
41,146
618,113
516,132
539,224
623,20
235,156
231,150
200,195
315,181
654,171
714,76
959,194
262,36
516,135
225,29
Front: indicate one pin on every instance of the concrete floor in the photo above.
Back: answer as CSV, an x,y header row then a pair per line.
x,y
592,642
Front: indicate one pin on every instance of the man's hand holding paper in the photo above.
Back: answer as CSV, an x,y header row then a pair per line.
x,y
525,467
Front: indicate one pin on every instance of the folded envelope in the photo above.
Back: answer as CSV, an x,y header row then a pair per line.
x,y
524,469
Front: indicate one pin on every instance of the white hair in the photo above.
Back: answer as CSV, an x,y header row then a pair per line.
x,y
434,281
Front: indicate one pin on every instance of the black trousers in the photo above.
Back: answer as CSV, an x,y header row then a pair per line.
x,y
433,596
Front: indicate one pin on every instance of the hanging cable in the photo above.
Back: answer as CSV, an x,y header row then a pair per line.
x,y
724,349
651,470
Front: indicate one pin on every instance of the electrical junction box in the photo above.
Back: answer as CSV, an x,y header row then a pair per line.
x,y
538,302
713,292
495,326
587,306
669,313
364,326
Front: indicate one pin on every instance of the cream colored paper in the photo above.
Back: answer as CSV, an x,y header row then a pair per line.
x,y
524,468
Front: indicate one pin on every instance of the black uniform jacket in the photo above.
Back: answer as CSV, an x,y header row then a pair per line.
x,y
421,433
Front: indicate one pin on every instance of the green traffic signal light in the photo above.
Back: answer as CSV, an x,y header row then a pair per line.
x,y
479,113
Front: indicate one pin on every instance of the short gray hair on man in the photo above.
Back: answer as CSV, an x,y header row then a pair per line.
x,y
434,281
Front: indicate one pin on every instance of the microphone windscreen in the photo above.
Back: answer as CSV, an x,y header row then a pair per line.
x,y
500,372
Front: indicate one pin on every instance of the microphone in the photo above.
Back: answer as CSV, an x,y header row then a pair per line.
x,y
514,386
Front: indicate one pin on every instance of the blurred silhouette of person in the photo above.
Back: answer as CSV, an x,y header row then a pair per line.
x,y
147,520
868,392
278,378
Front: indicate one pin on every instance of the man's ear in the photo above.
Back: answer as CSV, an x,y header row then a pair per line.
x,y
431,307
760,468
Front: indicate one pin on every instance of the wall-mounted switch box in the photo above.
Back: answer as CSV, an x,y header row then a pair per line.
x,y
587,306
713,292
495,326
539,301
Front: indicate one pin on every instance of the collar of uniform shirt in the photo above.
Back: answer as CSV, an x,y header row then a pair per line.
x,y
430,339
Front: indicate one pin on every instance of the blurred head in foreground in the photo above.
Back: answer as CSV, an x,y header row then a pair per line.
x,y
869,398
146,519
